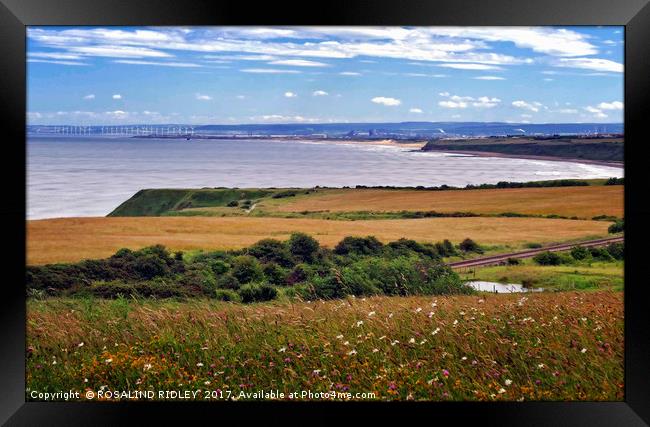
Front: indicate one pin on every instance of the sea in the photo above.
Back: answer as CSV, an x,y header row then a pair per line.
x,y
70,176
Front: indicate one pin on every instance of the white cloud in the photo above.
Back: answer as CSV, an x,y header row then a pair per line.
x,y
113,51
567,111
387,101
269,71
534,106
117,96
489,78
278,118
240,97
54,55
468,66
598,113
319,93
349,73
90,96
200,97
547,79
609,42
456,101
596,64
299,63
616,105
160,64
452,104
48,61
415,110
290,95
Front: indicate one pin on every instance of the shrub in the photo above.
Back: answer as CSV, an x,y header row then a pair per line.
x,y
615,181
600,254
227,281
246,269
257,292
358,246
445,248
513,261
299,274
468,245
580,253
150,266
404,247
547,258
533,245
199,279
617,227
233,204
227,295
616,250
275,274
303,247
271,250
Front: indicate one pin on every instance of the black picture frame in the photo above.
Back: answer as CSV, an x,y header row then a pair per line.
x,y
15,15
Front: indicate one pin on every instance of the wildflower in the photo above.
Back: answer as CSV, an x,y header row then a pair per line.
x,y
352,352
584,350
81,344
423,341
85,380
199,364
147,366
502,390
372,313
315,372
207,383
462,313
417,310
108,360
430,381
375,350
463,358
508,382
430,315
359,323
346,343
54,362
435,331
455,322
445,373
339,336
204,348
540,366
382,337
434,304
481,301
282,349
394,342
390,315
412,341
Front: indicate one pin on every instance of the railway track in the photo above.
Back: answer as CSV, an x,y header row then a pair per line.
x,y
496,259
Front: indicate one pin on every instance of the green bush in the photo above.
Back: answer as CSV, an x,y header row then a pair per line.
x,y
299,274
246,269
617,227
233,204
579,253
513,261
406,247
358,246
275,274
254,292
547,258
600,254
468,245
227,295
271,250
533,245
616,250
303,247
227,281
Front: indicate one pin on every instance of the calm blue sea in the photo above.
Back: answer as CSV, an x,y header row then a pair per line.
x,y
90,176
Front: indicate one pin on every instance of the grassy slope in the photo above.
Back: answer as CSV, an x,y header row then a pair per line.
x,y
582,149
552,346
73,239
582,276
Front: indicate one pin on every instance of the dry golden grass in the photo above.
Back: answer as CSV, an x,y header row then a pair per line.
x,y
583,202
73,239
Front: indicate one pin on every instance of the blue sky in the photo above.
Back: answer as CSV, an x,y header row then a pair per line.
x,y
230,75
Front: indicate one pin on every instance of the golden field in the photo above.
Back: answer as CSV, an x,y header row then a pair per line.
x,y
583,202
74,239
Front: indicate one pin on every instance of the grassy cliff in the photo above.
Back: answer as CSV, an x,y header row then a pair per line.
x,y
157,202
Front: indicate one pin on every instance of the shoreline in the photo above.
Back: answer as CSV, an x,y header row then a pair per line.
x,y
614,164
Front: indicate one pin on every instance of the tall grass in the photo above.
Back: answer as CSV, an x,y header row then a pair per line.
x,y
551,346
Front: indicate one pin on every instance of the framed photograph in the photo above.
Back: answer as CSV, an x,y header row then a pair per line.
x,y
362,211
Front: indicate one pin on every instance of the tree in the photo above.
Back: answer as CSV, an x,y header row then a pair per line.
x,y
246,269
